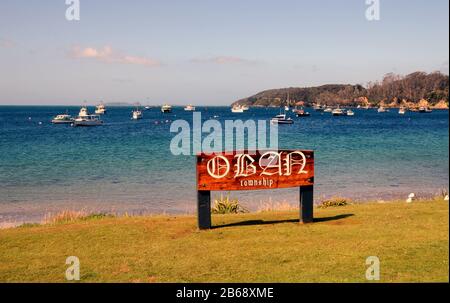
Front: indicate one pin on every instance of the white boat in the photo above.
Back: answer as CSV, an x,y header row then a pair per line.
x,y
245,107
318,108
402,111
100,109
147,107
136,114
189,108
281,119
166,108
350,113
328,110
237,109
337,112
425,110
62,119
381,109
88,120
83,112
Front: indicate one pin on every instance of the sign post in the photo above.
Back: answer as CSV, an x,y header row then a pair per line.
x,y
255,171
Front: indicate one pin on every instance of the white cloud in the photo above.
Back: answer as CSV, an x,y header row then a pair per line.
x,y
108,55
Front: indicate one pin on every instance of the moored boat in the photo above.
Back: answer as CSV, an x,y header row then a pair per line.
x,y
424,110
62,119
337,112
166,108
237,109
100,109
350,113
88,120
281,119
402,111
381,109
302,113
83,112
189,108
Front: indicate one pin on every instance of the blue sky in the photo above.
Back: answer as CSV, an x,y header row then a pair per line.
x,y
209,52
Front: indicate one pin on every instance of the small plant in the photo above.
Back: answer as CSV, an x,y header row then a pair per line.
x,y
334,202
227,205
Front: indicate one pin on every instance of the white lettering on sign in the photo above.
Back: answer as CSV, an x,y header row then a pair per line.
x,y
218,167
271,163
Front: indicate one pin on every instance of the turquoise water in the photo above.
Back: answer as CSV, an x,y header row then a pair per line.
x,y
126,166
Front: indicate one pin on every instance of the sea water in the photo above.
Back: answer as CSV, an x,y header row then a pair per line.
x,y
127,166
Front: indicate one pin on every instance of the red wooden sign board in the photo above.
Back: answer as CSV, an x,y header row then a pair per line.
x,y
262,170
241,170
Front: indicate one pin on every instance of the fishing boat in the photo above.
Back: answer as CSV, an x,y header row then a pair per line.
x,y
189,108
350,113
100,109
237,109
402,111
88,120
424,110
62,119
337,112
166,108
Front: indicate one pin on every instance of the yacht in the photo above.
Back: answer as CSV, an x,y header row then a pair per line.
x,y
281,119
337,112
62,119
237,109
87,120
328,110
245,107
189,108
166,108
402,111
100,109
350,113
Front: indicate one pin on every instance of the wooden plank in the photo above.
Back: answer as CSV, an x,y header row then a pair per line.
x,y
240,170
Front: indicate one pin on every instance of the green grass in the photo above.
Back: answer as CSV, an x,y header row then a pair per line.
x,y
411,241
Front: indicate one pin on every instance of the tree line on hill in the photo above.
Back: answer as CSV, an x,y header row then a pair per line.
x,y
393,90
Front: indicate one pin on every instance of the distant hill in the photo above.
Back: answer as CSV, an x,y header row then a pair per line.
x,y
393,90
113,104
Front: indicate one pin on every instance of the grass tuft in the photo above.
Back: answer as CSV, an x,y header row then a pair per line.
x,y
226,205
334,202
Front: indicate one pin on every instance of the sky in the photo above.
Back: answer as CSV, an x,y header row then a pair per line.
x,y
209,52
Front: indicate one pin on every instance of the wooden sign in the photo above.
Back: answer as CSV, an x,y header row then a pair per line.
x,y
263,170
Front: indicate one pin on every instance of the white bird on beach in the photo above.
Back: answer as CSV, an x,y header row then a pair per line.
x,y
410,198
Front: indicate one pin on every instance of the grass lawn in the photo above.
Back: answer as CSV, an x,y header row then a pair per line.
x,y
411,241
